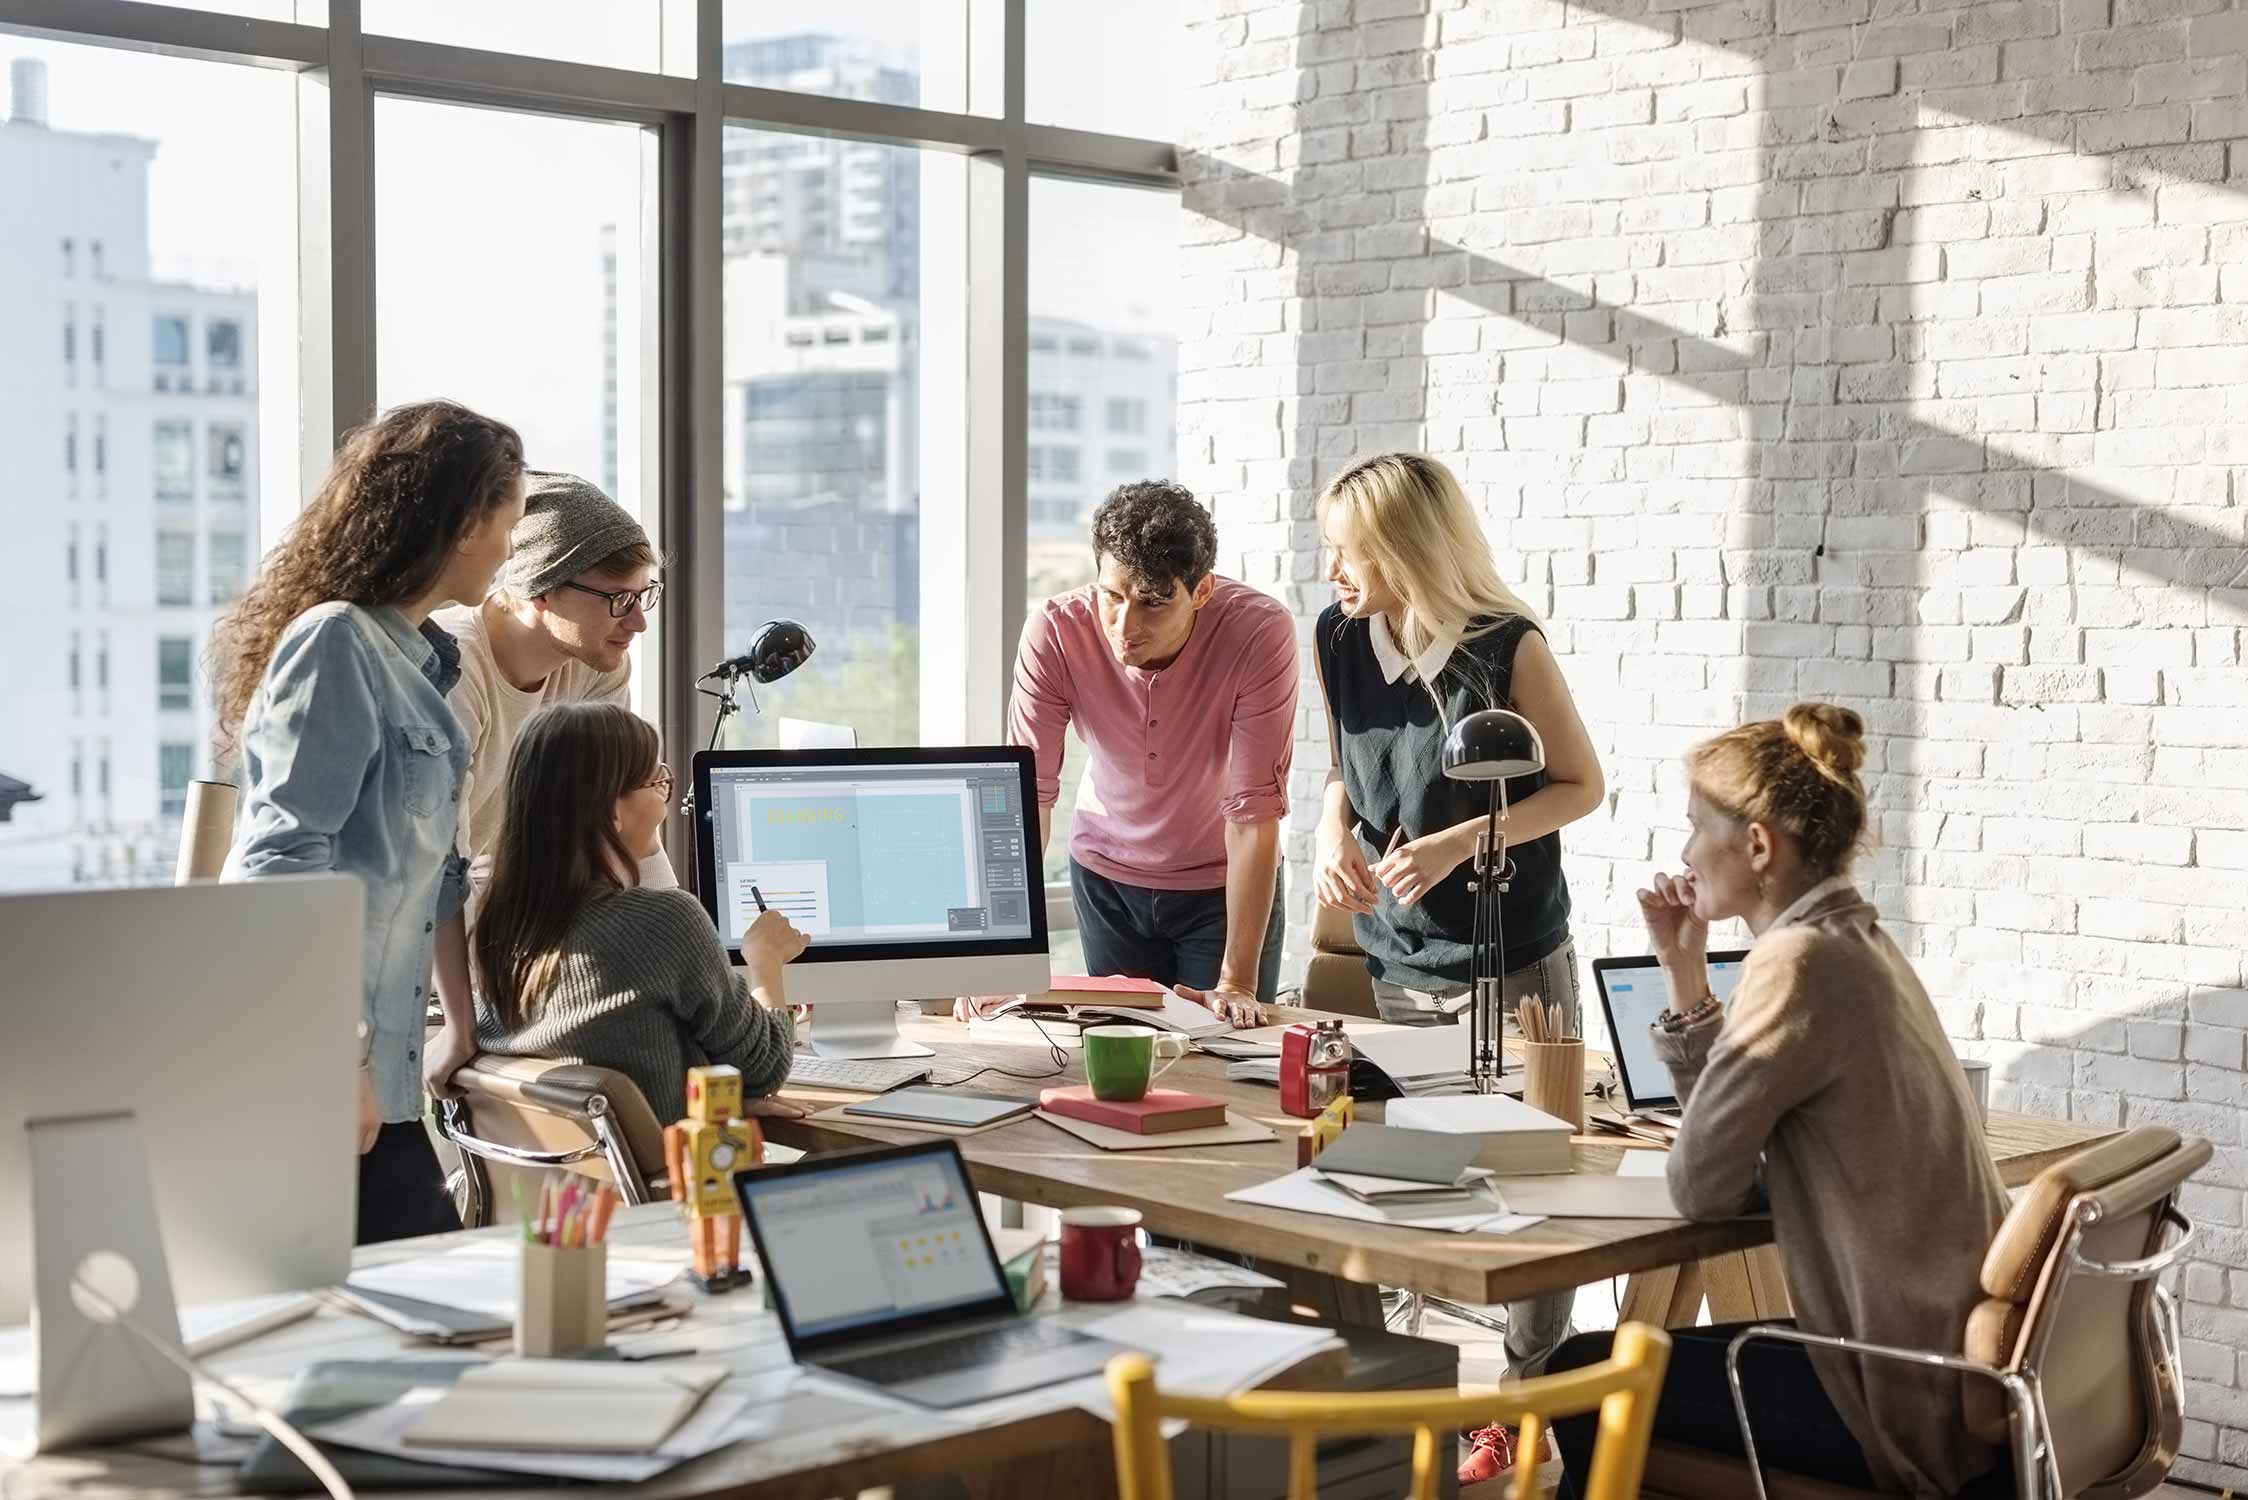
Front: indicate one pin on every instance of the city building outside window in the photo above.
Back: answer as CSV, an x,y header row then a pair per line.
x,y
167,339
175,673
1052,413
174,461
175,568
228,460
229,566
1127,414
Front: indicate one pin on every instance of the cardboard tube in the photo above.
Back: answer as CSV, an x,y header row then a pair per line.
x,y
207,831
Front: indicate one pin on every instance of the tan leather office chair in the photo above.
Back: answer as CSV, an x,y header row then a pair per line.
x,y
531,1116
2074,1347
1336,979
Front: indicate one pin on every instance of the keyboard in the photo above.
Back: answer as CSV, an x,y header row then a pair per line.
x,y
949,1356
873,1075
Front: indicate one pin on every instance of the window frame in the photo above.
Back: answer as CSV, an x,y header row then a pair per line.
x,y
969,635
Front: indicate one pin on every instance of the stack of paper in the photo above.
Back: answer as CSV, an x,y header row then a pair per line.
x,y
469,1294
568,1406
1302,1191
1513,1138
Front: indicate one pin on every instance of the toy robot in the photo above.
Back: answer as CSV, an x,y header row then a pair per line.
x,y
703,1152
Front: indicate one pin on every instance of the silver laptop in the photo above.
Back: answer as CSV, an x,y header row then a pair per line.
x,y
1633,992
882,1272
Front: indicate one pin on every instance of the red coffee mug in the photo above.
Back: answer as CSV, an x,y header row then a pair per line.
x,y
1100,1254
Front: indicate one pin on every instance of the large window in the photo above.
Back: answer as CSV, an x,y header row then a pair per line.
x,y
175,768
824,372
1103,307
225,260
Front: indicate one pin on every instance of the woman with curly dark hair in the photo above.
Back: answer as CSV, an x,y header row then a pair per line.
x,y
332,683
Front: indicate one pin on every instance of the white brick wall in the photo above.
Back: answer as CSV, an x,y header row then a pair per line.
x,y
1789,353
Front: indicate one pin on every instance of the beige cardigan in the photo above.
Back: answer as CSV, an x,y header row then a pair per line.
x,y
1828,1083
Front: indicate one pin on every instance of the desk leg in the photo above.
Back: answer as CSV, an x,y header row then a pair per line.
x,y
1747,1286
1668,1298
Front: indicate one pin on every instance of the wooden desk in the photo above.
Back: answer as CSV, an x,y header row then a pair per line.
x,y
1182,1193
1060,1452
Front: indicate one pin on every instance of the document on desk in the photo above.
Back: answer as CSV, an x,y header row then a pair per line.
x,y
1301,1191
1644,1164
481,1279
764,1407
1589,1195
572,1406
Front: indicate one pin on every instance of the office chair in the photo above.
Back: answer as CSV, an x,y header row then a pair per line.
x,y
532,1115
2072,1355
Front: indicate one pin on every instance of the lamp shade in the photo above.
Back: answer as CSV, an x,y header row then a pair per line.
x,y
1493,745
778,648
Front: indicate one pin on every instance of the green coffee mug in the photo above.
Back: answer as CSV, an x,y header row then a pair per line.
x,y
1120,1060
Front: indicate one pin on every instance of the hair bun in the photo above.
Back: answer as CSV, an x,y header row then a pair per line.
x,y
1831,737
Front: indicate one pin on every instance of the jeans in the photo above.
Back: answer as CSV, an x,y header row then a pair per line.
x,y
402,1188
1535,1326
1171,937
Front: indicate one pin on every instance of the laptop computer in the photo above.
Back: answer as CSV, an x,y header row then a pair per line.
x,y
882,1272
1633,992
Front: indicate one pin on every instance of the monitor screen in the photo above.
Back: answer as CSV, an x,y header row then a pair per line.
x,y
853,1245
1636,996
863,850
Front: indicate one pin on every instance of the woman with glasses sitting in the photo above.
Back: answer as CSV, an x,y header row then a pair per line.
x,y
577,960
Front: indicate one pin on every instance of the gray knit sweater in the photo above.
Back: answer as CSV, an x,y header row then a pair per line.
x,y
645,987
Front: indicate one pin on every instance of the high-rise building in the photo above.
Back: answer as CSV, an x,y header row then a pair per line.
x,y
128,409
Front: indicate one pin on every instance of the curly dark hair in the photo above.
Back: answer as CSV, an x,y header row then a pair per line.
x,y
403,491
1159,532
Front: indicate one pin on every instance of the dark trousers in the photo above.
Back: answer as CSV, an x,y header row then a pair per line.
x,y
402,1188
1171,937
1797,1427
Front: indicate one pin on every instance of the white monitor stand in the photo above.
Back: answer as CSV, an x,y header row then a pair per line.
x,y
855,1004
94,1231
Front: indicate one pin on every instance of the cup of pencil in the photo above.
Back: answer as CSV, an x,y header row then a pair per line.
x,y
1553,1063
562,1302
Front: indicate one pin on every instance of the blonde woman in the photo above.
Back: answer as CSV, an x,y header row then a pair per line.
x,y
1785,1110
1423,632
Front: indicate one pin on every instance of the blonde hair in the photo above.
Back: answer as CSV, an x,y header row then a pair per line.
x,y
1406,514
1798,774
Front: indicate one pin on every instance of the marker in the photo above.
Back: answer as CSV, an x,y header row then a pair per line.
x,y
757,896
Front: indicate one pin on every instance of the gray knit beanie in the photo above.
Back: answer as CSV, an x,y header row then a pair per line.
x,y
568,526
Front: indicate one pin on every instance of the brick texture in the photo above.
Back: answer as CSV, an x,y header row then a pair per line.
x,y
1789,352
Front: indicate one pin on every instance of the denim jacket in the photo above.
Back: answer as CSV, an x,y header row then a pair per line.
x,y
353,763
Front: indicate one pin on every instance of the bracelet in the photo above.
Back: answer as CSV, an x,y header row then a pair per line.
x,y
1674,1021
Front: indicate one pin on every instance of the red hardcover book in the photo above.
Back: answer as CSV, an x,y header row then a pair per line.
x,y
1108,991
1159,1113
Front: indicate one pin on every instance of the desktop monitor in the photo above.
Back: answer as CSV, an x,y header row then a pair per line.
x,y
916,873
176,1089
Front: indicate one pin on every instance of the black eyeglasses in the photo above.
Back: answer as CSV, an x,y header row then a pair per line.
x,y
624,601
663,778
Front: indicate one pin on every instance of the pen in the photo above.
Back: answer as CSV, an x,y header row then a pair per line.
x,y
757,896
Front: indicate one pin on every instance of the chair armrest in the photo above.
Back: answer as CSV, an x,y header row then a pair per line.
x,y
452,1124
2146,1266
2021,1392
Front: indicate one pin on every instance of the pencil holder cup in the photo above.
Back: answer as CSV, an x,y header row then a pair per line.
x,y
562,1305
1553,1079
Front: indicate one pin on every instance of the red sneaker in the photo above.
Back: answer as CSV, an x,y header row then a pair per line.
x,y
1490,1455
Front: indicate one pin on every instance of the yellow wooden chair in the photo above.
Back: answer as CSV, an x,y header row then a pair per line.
x,y
1623,1389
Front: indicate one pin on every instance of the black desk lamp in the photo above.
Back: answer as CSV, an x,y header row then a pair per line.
x,y
1493,745
778,648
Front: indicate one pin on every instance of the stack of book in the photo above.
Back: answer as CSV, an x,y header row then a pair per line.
x,y
1071,1003
1158,1112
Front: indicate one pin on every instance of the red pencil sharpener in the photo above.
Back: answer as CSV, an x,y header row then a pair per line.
x,y
1314,1067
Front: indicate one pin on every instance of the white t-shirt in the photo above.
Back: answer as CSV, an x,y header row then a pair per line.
x,y
492,712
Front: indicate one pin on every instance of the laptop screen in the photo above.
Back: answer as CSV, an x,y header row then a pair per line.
x,y
1634,992
856,1244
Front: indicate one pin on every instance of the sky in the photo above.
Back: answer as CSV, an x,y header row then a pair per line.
x,y
489,224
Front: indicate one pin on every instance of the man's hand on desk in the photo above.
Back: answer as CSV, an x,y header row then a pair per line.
x,y
978,1007
1235,1007
774,1109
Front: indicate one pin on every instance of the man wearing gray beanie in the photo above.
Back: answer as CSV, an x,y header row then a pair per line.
x,y
558,628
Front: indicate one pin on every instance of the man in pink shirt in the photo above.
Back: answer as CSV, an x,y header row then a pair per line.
x,y
1182,685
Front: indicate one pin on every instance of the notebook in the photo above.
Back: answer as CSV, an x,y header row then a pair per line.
x,y
1428,1157
571,1406
939,1107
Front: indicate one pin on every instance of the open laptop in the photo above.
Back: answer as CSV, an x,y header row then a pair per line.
x,y
1633,992
882,1272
